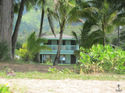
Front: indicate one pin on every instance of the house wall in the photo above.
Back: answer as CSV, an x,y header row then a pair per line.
x,y
68,42
67,56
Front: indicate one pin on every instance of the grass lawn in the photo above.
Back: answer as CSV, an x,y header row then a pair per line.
x,y
60,76
40,71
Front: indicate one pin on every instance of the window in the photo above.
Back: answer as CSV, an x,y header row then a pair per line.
x,y
64,42
73,42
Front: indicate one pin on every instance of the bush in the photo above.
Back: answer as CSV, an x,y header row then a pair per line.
x,y
99,59
24,53
52,70
4,89
3,51
32,47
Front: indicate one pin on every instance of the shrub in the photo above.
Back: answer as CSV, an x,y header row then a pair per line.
x,y
24,53
99,59
52,70
32,47
4,89
48,62
3,51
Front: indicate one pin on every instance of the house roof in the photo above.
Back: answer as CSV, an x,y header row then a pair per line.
x,y
65,37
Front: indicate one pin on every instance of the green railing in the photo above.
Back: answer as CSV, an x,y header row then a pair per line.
x,y
64,47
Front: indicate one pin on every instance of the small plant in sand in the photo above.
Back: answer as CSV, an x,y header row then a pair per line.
x,y
4,89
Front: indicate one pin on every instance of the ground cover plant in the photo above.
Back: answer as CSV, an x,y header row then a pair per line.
x,y
4,89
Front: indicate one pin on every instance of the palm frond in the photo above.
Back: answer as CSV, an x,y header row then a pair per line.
x,y
75,36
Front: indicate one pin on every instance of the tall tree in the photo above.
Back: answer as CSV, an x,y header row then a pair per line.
x,y
16,29
105,17
42,18
43,4
19,8
115,5
62,15
6,22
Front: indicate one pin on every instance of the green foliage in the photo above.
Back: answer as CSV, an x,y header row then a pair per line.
x,y
4,89
63,71
99,59
66,71
18,45
24,53
52,70
48,62
3,51
31,47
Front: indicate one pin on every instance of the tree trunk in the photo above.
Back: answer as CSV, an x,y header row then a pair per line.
x,y
42,19
16,29
104,40
6,22
41,28
57,58
118,35
103,28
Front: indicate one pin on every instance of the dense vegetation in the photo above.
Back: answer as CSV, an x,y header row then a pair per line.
x,y
102,59
98,21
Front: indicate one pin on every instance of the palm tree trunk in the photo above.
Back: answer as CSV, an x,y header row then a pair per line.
x,y
16,29
57,58
41,29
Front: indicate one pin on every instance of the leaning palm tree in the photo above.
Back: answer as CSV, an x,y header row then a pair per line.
x,y
62,15
68,11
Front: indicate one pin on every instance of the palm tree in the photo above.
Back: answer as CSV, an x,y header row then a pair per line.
x,y
34,44
115,5
98,23
32,47
105,20
62,15
44,6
